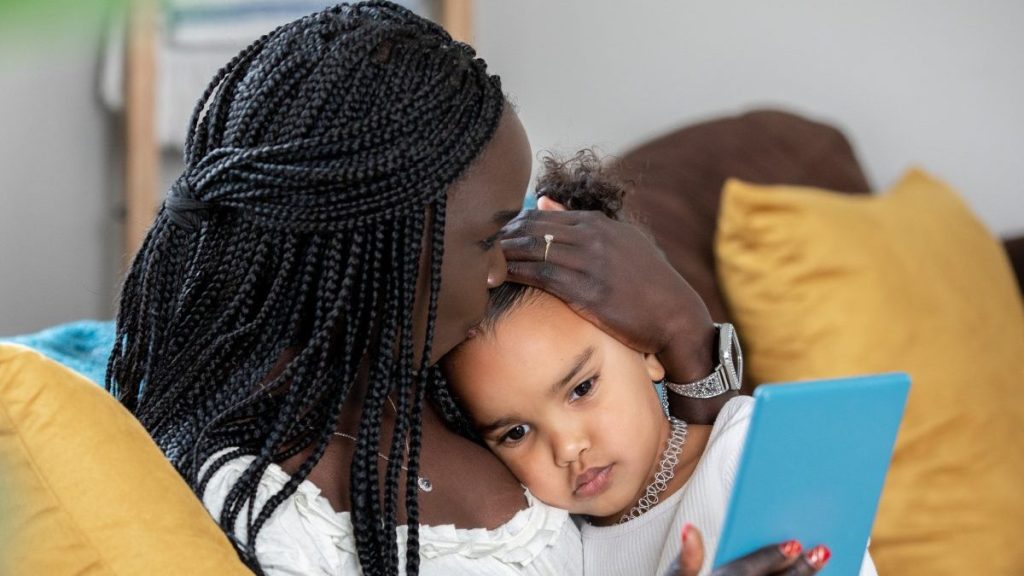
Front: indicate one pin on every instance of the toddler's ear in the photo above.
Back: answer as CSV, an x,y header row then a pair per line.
x,y
654,368
545,203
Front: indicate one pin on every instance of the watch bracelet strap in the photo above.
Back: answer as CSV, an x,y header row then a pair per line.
x,y
712,385
708,387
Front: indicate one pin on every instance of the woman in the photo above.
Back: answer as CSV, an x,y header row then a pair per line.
x,y
333,234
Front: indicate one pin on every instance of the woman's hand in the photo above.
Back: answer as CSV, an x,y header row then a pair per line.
x,y
612,274
776,560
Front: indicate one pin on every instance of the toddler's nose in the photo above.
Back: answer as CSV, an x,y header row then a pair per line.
x,y
569,447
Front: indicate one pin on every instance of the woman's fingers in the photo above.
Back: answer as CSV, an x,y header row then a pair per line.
x,y
528,221
567,226
543,275
767,561
545,203
776,560
810,563
612,274
532,248
562,262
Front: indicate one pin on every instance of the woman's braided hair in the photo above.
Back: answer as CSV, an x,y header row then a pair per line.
x,y
316,163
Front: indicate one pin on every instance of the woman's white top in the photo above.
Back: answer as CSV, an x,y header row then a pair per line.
x,y
306,536
649,544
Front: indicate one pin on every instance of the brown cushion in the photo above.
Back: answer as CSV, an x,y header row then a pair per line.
x,y
1015,250
678,178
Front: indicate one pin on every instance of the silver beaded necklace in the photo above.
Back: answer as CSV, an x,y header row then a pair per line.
x,y
666,471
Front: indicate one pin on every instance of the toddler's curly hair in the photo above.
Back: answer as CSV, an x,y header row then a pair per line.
x,y
583,182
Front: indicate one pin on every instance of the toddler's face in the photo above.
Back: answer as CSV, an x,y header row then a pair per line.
x,y
569,409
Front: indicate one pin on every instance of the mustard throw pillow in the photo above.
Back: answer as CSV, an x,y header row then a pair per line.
x,y
85,489
825,285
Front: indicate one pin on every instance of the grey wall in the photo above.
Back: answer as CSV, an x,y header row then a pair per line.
x,y
59,176
939,84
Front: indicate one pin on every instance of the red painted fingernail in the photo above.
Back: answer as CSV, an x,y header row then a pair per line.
x,y
686,529
791,549
818,556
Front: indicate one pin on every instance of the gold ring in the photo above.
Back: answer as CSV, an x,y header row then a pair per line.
x,y
548,239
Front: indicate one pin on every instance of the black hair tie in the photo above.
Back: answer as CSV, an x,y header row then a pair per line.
x,y
184,210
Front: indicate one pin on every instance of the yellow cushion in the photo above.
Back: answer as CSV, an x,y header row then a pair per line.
x,y
824,285
86,491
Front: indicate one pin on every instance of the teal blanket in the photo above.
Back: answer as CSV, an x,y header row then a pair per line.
x,y
83,346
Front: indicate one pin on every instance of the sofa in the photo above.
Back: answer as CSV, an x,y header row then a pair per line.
x,y
101,498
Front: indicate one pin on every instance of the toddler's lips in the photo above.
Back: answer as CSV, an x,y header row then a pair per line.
x,y
592,481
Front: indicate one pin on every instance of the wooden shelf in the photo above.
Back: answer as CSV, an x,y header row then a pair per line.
x,y
457,19
142,153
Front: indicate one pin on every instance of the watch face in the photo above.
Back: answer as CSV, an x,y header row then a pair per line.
x,y
738,362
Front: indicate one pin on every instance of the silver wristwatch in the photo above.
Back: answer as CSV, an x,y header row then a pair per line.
x,y
728,375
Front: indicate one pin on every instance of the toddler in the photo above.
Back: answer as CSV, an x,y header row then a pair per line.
x,y
575,416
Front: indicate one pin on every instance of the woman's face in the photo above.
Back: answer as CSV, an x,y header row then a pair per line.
x,y
569,409
489,194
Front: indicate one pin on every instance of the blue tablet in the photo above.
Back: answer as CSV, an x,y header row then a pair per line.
x,y
812,467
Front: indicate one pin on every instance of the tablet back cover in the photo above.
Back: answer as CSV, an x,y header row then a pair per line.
x,y
813,466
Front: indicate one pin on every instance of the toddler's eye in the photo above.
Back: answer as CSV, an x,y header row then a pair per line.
x,y
515,434
582,389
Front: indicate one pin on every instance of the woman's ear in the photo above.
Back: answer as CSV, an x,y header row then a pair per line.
x,y
545,203
654,368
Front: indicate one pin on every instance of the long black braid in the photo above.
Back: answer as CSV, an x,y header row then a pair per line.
x,y
316,164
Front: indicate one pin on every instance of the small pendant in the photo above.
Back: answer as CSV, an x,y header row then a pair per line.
x,y
424,484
